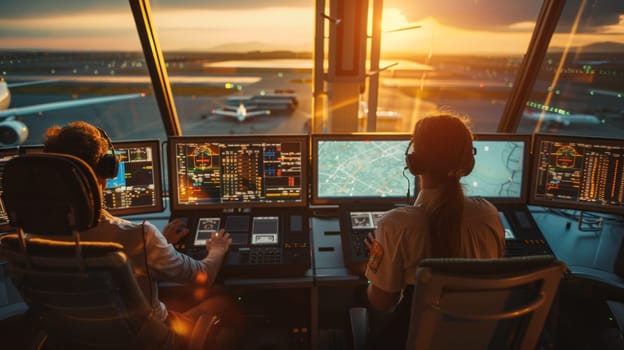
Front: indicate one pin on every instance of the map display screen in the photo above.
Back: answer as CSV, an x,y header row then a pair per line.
x,y
501,168
360,167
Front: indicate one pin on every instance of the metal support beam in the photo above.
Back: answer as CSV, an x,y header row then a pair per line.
x,y
347,63
527,75
156,65
319,94
373,82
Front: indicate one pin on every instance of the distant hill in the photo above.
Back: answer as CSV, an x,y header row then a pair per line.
x,y
606,47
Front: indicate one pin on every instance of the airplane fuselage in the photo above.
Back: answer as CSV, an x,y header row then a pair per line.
x,y
5,95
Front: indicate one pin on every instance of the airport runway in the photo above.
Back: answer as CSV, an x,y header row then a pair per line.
x,y
194,99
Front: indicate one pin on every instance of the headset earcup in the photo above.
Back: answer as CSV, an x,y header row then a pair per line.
x,y
412,164
467,169
107,167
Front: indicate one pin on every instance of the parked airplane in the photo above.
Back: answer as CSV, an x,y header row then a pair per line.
x,y
14,132
240,112
549,119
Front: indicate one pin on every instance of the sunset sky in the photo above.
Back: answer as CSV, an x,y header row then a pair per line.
x,y
448,26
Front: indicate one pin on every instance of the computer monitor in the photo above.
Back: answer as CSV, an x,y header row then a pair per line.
x,y
137,189
578,173
360,167
215,172
501,168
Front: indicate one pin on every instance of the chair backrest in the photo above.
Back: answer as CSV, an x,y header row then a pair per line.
x,y
482,303
84,293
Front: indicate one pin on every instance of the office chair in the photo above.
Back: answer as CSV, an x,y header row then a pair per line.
x,y
84,294
476,303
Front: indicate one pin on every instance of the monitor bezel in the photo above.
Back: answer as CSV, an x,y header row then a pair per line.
x,y
575,205
316,200
526,163
173,141
157,173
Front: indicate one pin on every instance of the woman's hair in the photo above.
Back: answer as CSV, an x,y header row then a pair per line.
x,y
442,147
79,139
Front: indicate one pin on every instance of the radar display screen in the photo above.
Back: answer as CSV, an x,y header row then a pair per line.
x,y
501,168
578,173
360,167
238,171
137,187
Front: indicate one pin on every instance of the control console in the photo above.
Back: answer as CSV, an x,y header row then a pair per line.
x,y
265,242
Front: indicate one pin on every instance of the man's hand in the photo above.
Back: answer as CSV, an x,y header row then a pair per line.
x,y
219,243
175,230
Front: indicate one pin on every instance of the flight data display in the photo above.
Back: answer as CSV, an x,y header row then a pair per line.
x,y
136,188
499,171
364,168
235,172
579,173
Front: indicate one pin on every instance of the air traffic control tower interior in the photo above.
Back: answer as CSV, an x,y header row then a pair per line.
x,y
299,161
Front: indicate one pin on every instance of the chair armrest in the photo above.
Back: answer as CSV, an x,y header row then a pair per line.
x,y
358,322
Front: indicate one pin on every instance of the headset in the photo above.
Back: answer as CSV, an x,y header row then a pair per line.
x,y
106,168
416,163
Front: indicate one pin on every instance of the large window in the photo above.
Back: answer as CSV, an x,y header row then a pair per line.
x,y
246,67
69,51
579,89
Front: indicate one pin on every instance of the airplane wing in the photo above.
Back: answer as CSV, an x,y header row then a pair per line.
x,y
28,83
258,113
225,112
44,107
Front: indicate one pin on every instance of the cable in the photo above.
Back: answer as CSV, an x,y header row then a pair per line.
x,y
149,279
409,185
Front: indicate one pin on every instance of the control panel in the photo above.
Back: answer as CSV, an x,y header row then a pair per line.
x,y
356,222
522,235
265,241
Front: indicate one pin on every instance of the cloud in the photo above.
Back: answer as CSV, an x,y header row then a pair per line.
x,y
497,14
36,8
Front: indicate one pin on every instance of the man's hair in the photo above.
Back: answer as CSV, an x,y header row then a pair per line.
x,y
79,139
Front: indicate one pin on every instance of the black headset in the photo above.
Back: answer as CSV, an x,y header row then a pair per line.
x,y
417,165
412,163
106,168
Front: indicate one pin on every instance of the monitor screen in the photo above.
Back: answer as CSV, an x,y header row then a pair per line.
x,y
578,173
213,172
501,168
360,167
137,187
